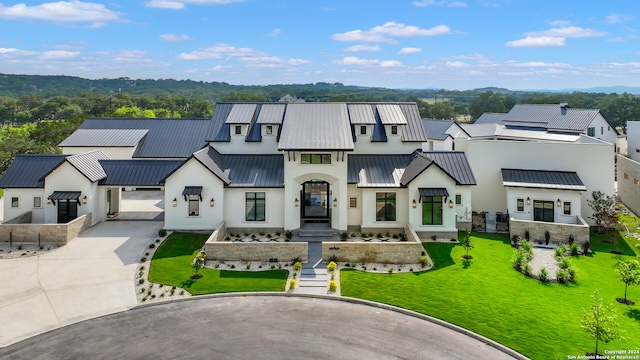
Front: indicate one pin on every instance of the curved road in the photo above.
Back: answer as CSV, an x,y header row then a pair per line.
x,y
254,327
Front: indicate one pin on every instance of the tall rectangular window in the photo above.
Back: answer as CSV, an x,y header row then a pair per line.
x,y
458,199
543,211
255,206
431,210
394,129
601,130
238,129
363,130
15,202
194,205
567,208
520,204
37,201
269,129
386,206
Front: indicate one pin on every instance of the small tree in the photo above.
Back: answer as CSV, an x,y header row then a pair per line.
x,y
603,207
198,263
629,271
600,321
467,245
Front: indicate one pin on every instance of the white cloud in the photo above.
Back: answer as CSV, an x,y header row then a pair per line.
x,y
217,51
616,39
537,64
457,64
566,32
409,51
454,3
385,33
59,55
174,37
477,57
181,4
559,23
613,19
363,48
354,60
537,42
390,63
221,68
62,11
275,33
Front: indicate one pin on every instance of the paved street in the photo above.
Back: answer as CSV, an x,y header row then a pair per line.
x,y
254,327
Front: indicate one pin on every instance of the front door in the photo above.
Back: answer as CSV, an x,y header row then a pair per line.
x,y
316,200
67,210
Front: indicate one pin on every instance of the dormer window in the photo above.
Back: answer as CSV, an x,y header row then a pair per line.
x,y
394,129
238,129
269,130
363,130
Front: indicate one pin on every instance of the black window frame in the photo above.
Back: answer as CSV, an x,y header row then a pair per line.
x,y
39,202
545,212
363,129
315,159
252,200
435,204
394,129
388,201
269,129
458,199
193,202
15,201
591,131
520,204
238,130
566,208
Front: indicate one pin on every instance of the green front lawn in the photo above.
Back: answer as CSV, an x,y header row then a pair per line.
x,y
487,296
171,265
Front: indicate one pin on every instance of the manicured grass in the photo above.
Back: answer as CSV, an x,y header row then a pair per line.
x,y
487,296
171,265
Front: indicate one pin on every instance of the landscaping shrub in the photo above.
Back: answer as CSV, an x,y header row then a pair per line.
x,y
543,275
526,269
162,233
296,260
390,270
403,237
526,235
519,259
262,233
331,266
563,276
141,281
297,266
333,258
143,259
333,286
379,235
564,263
560,250
571,239
292,284
527,249
547,237
344,236
152,245
288,234
575,249
424,261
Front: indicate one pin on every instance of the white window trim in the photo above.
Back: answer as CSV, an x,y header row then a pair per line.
x,y
34,200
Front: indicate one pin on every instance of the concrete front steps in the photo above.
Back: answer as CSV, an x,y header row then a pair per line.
x,y
313,275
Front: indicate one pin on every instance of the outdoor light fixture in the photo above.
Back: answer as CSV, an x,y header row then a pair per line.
x,y
48,201
450,204
296,202
335,202
528,201
559,203
414,204
211,202
84,200
174,203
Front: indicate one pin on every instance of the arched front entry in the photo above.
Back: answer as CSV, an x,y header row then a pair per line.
x,y
316,201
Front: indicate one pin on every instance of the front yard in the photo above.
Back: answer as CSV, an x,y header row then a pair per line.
x,y
487,296
171,265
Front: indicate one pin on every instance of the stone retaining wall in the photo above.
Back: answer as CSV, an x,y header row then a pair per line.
x,y
49,233
559,232
237,251
369,252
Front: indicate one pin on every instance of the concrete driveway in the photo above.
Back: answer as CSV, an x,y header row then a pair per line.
x,y
255,327
92,275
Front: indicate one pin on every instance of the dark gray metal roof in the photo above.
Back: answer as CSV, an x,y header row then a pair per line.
x,y
453,163
316,126
564,180
220,130
213,161
490,118
192,190
255,170
554,116
436,129
391,114
241,114
28,171
64,195
137,172
271,113
361,114
104,138
88,165
376,170
433,192
166,138
413,131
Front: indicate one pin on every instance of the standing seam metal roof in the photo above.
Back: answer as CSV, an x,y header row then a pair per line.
x,y
413,131
137,172
271,114
453,163
28,171
391,114
241,114
104,138
316,126
361,114
212,159
255,170
436,129
555,116
88,164
564,180
376,170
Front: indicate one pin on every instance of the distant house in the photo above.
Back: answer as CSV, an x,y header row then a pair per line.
x,y
290,99
442,134
554,118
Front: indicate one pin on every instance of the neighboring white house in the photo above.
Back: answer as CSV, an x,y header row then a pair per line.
x,y
628,169
442,135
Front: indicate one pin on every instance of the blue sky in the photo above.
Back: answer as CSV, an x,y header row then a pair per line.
x,y
452,44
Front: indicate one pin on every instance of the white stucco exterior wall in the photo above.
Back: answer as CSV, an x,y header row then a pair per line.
x,y
593,162
25,204
192,173
603,130
234,212
354,214
369,208
432,177
67,178
574,197
633,140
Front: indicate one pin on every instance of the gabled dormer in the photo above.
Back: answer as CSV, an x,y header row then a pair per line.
x,y
392,119
270,119
239,119
362,119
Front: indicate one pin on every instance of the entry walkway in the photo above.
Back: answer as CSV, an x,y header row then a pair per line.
x,y
90,276
313,276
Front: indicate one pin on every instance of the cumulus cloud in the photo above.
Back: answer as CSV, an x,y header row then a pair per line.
x,y
181,4
537,42
62,11
217,51
59,55
424,3
409,51
613,19
390,30
363,48
174,37
390,63
354,60
559,23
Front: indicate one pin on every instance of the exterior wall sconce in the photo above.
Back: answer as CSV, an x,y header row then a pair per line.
x,y
450,204
49,201
211,202
335,202
528,201
84,200
559,203
414,204
296,202
174,203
